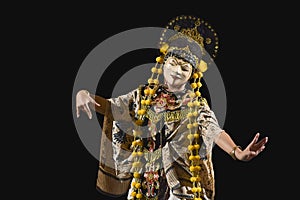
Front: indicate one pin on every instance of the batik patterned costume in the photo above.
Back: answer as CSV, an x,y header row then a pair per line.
x,y
155,141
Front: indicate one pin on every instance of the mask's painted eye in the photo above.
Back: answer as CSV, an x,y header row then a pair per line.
x,y
173,63
185,67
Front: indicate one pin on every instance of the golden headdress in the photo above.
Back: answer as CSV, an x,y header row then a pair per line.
x,y
201,39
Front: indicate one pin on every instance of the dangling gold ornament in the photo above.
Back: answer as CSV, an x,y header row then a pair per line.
x,y
202,66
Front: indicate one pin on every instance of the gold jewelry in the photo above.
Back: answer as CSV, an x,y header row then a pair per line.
x,y
232,153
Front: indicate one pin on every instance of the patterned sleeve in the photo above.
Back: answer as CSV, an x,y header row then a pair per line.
x,y
122,106
210,127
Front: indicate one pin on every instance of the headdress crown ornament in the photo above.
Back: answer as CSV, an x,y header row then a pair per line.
x,y
203,35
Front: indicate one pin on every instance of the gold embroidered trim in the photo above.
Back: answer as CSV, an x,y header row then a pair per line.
x,y
169,116
186,49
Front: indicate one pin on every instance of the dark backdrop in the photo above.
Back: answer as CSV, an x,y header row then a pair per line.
x,y
253,61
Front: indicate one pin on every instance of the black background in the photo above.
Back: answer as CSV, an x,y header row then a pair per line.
x,y
255,60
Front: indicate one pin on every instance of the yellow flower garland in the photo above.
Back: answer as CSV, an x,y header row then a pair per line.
x,y
195,103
